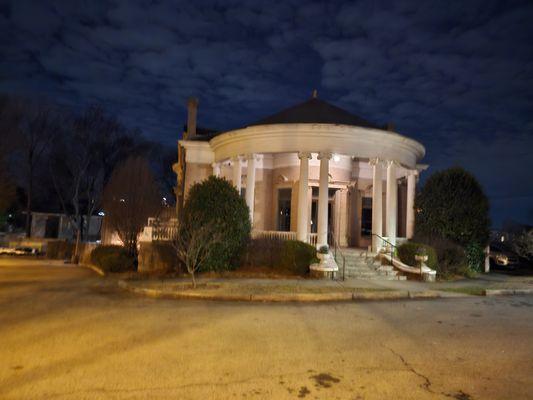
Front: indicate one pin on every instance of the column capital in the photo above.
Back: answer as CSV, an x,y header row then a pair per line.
x,y
324,155
235,159
376,162
215,164
391,163
304,154
412,172
251,156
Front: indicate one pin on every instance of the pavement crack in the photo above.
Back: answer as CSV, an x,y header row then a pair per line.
x,y
427,383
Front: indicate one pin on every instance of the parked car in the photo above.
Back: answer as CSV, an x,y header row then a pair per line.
x,y
502,257
19,251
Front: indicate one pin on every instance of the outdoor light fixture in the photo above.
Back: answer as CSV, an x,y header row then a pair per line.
x,y
101,213
336,158
122,200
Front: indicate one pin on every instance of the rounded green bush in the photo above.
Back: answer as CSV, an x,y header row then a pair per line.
x,y
453,206
408,250
217,203
112,258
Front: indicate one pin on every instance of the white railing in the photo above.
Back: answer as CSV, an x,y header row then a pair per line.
x,y
282,235
157,230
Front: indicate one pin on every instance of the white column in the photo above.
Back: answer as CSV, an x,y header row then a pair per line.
x,y
237,173
377,203
250,185
216,169
410,215
392,202
303,184
323,197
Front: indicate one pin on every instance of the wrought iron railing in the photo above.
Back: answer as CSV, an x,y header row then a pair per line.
x,y
337,250
389,248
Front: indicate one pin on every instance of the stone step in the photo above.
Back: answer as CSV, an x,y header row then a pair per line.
x,y
388,273
377,277
360,271
386,268
362,265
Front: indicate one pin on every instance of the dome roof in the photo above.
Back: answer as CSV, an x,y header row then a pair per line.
x,y
315,111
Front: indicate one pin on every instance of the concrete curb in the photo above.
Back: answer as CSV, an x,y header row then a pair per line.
x,y
96,269
282,297
508,292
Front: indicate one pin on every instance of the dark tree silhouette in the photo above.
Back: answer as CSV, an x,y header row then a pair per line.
x,y
130,197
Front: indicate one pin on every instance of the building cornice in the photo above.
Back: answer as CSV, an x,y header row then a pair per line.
x,y
339,139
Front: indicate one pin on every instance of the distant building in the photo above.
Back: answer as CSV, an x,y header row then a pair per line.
x,y
58,226
313,172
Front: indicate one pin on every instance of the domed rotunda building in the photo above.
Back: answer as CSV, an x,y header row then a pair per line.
x,y
312,172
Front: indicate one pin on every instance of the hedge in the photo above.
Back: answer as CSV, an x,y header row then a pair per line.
x,y
451,257
408,250
285,256
113,258
59,249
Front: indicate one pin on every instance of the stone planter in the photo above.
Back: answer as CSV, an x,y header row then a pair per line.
x,y
326,269
426,273
323,257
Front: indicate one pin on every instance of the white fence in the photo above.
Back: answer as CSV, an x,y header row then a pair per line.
x,y
166,231
157,230
281,235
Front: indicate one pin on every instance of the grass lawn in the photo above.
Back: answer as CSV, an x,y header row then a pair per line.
x,y
471,290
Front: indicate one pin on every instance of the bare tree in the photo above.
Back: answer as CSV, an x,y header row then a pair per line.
x,y
130,197
37,128
8,125
82,163
194,245
106,143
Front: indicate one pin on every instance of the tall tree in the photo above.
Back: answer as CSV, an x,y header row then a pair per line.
x,y
453,206
82,163
8,125
34,126
131,196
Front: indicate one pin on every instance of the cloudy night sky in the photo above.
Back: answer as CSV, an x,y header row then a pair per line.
x,y
457,76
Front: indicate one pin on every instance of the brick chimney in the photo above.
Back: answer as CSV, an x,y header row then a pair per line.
x,y
192,111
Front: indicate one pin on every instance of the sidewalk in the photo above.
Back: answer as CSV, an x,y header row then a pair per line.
x,y
307,290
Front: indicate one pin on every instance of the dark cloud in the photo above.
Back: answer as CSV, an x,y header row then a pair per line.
x,y
458,76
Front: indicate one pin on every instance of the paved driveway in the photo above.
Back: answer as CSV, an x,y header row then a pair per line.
x,y
63,335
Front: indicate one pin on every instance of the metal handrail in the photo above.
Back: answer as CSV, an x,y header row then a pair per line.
x,y
393,247
336,248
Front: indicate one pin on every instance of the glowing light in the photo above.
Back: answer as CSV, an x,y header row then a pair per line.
x,y
336,158
101,213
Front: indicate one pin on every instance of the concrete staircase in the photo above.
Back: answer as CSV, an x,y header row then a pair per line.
x,y
361,264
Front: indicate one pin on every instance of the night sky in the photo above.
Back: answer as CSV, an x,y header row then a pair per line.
x,y
455,75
